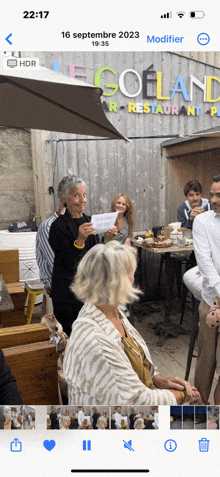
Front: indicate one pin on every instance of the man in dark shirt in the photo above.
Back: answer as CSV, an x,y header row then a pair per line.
x,y
73,422
132,418
2,419
193,204
148,423
95,417
54,419
9,392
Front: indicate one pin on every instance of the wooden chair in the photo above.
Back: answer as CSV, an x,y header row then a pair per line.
x,y
123,423
9,268
9,265
48,423
32,290
87,423
33,361
19,292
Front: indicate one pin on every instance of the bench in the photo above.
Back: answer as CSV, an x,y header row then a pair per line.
x,y
9,268
33,361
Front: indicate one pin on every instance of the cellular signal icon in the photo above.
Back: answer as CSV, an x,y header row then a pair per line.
x,y
167,15
180,14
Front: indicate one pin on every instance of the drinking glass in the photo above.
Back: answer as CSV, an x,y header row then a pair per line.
x,y
161,234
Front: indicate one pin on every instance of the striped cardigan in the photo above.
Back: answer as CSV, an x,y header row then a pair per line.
x,y
97,370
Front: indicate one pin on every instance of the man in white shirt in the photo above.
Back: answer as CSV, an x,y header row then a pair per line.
x,y
80,416
206,239
118,417
156,419
18,421
186,214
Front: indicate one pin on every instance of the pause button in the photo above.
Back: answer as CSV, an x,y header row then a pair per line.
x,y
87,445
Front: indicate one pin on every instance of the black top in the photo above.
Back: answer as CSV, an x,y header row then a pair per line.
x,y
63,232
132,418
148,424
113,426
54,420
2,420
73,423
184,212
9,393
95,417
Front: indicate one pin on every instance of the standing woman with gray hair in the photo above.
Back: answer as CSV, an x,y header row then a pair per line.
x,y
71,236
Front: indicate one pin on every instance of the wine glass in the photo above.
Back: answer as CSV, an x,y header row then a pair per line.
x,y
161,234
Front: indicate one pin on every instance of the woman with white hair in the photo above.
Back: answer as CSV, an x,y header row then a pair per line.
x,y
101,422
106,360
65,422
71,236
139,423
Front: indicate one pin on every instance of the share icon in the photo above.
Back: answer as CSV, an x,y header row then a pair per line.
x,y
128,445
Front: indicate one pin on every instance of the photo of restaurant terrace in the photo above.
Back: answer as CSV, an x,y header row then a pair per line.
x,y
17,417
109,231
78,417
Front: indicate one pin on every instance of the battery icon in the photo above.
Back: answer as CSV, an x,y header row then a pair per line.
x,y
197,14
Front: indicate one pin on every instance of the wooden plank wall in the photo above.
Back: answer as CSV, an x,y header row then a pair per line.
x,y
202,166
136,168
17,201
208,57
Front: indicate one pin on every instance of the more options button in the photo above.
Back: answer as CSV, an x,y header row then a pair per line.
x,y
203,39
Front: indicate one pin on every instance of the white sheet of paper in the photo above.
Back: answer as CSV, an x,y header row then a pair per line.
x,y
103,222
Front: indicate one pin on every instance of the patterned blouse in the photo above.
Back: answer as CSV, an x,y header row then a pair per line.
x,y
97,370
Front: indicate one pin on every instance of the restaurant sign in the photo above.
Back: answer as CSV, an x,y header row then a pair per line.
x,y
153,80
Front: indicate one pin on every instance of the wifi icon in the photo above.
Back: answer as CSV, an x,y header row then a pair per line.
x,y
180,14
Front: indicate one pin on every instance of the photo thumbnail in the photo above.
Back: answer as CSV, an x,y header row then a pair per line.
x,y
17,417
194,417
213,417
78,417
139,417
5,417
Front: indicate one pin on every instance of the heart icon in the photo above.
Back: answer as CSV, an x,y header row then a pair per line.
x,y
49,445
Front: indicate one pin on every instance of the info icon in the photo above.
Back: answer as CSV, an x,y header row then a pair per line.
x,y
170,445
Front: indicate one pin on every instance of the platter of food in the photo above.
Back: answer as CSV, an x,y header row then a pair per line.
x,y
157,243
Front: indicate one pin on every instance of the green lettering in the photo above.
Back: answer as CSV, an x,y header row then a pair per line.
x,y
112,106
108,85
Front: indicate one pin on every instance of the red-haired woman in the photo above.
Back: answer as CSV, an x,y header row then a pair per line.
x,y
125,220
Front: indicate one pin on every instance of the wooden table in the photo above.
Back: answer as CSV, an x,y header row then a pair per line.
x,y
165,327
6,303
